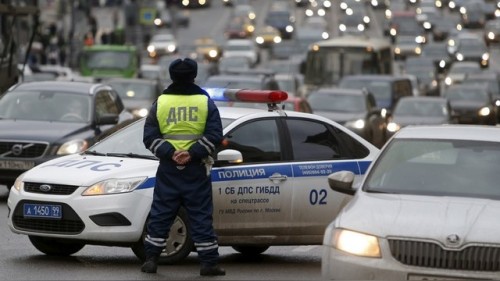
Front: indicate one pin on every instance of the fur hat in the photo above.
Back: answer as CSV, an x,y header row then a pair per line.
x,y
183,70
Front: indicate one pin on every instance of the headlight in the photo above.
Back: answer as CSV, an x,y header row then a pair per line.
x,y
393,127
361,27
451,5
357,124
327,4
277,39
309,13
157,22
388,14
418,50
151,48
356,243
171,48
366,19
491,35
342,27
451,42
485,111
259,40
114,186
321,12
72,147
289,28
485,56
140,112
427,25
442,64
448,81
19,183
213,53
463,10
460,57
325,35
397,50
393,32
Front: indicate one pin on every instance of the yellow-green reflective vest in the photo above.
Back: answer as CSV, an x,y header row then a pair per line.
x,y
182,118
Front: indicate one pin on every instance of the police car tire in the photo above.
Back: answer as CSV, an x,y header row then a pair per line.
x,y
250,250
55,246
183,249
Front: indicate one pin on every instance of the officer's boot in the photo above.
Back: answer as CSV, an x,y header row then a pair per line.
x,y
214,270
150,265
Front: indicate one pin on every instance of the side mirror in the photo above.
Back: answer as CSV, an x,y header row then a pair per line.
x,y
342,182
230,156
107,119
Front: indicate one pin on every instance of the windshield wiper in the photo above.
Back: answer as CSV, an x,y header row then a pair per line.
x,y
132,155
93,152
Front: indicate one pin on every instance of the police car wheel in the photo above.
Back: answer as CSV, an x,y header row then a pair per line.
x,y
251,250
179,242
55,246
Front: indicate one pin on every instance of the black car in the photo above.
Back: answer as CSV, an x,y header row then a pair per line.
x,y
243,79
283,20
387,89
492,32
438,53
354,108
37,124
137,94
473,49
472,104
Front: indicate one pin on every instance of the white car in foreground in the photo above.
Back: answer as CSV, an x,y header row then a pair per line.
x,y
269,185
428,209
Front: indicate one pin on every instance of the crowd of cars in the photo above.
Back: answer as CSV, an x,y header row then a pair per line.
x,y
391,143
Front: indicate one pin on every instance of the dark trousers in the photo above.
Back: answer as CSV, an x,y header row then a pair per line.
x,y
190,188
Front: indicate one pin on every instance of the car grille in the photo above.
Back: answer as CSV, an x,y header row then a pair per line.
x,y
22,149
432,255
69,224
55,189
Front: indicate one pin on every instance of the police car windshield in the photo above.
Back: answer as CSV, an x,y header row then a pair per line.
x,y
126,142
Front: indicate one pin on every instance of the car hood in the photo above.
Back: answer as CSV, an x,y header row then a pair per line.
x,y
460,104
39,130
419,120
425,217
340,117
137,103
86,170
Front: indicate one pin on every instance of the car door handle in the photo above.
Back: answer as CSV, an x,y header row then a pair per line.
x,y
278,177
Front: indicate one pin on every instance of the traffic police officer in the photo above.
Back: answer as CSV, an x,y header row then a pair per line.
x,y
182,129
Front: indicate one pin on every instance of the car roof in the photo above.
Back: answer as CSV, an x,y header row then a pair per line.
x,y
460,132
66,86
386,77
343,91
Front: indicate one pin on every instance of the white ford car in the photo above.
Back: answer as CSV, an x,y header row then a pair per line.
x,y
269,185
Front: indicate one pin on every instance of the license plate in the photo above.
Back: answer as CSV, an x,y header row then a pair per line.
x,y
43,211
16,165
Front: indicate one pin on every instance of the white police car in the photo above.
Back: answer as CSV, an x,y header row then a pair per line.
x,y
269,185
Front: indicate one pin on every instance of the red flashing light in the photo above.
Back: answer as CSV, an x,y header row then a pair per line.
x,y
247,95
264,96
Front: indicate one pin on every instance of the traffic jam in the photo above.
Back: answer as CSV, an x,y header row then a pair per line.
x,y
366,128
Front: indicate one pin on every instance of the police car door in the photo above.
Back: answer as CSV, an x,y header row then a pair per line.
x,y
253,198
318,149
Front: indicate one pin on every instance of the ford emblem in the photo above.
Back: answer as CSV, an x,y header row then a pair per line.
x,y
45,187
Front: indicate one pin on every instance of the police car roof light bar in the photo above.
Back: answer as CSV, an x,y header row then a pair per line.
x,y
247,95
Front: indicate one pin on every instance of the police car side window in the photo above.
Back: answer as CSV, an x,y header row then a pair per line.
x,y
312,140
258,141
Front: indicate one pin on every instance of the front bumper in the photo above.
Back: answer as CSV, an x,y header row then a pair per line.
x,y
117,218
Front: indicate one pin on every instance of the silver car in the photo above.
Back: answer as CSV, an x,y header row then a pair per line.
x,y
427,209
